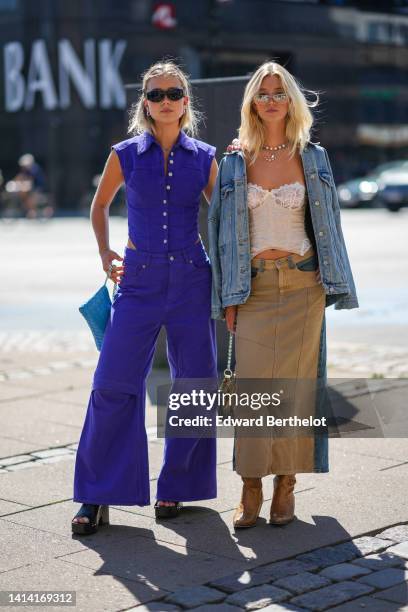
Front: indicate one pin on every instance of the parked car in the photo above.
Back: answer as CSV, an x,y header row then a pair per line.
x,y
393,189
364,191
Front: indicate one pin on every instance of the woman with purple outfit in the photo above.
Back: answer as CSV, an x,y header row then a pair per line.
x,y
164,280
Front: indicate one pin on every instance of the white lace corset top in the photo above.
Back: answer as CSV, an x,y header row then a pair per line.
x,y
277,218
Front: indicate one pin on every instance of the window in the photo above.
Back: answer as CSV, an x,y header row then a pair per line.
x,y
8,5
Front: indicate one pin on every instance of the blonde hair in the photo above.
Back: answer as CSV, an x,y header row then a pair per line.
x,y
299,119
140,121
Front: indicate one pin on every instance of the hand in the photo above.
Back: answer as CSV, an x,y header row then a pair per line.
x,y
234,146
231,318
107,257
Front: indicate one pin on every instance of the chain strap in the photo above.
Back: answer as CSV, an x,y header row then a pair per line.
x,y
115,286
228,373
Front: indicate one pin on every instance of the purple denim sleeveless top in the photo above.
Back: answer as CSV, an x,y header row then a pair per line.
x,y
163,208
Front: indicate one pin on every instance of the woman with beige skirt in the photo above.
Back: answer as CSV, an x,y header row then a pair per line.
x,y
277,337
261,222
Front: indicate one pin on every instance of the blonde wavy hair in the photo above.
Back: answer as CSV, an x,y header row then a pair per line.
x,y
139,121
299,119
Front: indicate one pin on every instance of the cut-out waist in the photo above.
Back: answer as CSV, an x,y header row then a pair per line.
x,y
130,244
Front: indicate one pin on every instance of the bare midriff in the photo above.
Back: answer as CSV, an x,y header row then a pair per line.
x,y
272,254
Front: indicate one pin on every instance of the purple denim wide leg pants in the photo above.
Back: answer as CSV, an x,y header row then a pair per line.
x,y
172,289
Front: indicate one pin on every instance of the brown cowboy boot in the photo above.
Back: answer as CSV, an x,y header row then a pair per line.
x,y
283,501
250,505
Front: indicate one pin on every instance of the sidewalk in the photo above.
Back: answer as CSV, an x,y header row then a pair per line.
x,y
347,550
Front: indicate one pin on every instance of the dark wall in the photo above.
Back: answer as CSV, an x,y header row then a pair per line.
x,y
362,81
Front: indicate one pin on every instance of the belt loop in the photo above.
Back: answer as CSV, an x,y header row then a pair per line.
x,y
187,254
145,258
261,265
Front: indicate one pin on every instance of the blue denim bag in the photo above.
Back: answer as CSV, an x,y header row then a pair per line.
x,y
96,312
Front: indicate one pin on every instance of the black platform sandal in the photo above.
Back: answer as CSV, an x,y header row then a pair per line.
x,y
167,511
97,515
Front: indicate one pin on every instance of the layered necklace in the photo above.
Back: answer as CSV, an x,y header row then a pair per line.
x,y
271,154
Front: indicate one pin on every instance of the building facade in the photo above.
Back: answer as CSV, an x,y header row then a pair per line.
x,y
69,71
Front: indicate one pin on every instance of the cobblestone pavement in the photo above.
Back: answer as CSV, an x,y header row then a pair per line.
x,y
348,548
41,341
368,359
24,356
364,360
368,572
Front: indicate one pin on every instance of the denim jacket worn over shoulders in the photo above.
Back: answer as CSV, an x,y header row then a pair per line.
x,y
228,232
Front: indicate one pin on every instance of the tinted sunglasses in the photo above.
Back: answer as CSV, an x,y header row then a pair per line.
x,y
157,95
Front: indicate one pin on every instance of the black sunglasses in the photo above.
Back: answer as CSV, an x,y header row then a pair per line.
x,y
157,95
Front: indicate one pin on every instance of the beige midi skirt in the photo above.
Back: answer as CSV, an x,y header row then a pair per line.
x,y
278,337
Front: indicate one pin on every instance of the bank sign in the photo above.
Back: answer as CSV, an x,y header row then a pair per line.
x,y
29,79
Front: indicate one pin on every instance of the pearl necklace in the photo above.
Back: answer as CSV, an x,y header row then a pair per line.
x,y
273,156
